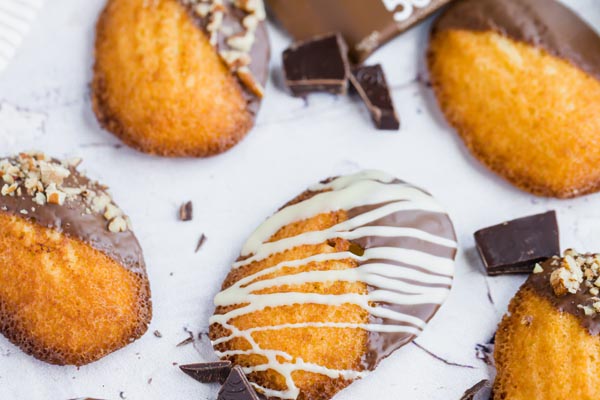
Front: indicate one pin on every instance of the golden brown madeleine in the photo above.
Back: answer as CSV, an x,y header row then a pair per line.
x,y
332,283
547,346
180,77
73,283
519,80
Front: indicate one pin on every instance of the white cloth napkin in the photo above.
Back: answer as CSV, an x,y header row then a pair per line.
x,y
16,17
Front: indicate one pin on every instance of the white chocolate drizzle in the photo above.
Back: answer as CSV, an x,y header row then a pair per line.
x,y
399,275
406,7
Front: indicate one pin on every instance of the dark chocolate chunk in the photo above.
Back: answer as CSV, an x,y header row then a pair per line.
x,y
237,387
365,25
369,82
317,65
481,391
186,211
208,372
516,246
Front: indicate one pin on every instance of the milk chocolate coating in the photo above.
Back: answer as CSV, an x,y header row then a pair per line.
x,y
567,303
382,344
546,24
365,24
72,220
260,52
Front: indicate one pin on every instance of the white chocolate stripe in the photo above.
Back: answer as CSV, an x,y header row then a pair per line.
x,y
228,297
347,231
260,302
339,325
360,194
386,270
343,181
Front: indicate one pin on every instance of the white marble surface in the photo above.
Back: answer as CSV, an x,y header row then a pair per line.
x,y
44,104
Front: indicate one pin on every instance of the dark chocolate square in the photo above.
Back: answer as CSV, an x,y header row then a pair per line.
x,y
515,246
317,65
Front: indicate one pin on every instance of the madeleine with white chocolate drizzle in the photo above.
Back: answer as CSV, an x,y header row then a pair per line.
x,y
334,282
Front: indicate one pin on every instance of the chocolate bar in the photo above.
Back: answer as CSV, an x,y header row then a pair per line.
x,y
364,24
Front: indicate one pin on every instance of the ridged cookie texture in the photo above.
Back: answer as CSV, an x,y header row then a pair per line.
x,y
520,82
547,346
73,283
332,283
180,77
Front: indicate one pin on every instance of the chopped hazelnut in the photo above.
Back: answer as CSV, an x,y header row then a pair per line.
x,y
538,269
117,225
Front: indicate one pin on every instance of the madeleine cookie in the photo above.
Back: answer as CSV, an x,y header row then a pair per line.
x,y
547,345
73,284
180,77
332,283
520,82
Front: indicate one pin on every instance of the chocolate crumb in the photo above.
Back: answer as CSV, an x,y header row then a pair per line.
x,y
157,334
186,211
200,243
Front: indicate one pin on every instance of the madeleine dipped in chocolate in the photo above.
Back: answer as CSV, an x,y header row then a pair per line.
x,y
547,345
180,77
73,283
332,283
520,82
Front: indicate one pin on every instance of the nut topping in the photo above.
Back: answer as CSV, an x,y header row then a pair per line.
x,y
42,179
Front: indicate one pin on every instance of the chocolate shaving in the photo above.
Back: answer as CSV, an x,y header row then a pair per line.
x,y
208,372
515,246
237,387
200,243
186,211
371,85
187,341
317,65
481,391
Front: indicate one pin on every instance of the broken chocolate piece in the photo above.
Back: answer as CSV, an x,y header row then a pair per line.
x,y
237,387
365,25
208,372
186,211
371,85
317,65
515,247
481,391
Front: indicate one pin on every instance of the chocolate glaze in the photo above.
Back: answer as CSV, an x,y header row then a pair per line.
x,y
542,23
365,25
72,220
260,52
540,283
382,344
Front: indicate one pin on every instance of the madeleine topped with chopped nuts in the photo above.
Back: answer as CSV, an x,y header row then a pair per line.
x,y
73,283
547,345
